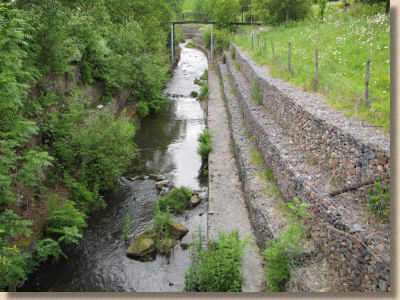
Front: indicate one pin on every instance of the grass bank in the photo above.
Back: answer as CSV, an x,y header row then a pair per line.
x,y
345,40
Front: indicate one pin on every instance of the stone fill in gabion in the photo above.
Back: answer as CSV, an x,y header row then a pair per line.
x,y
358,250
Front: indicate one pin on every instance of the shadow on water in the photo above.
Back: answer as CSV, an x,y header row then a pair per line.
x,y
168,144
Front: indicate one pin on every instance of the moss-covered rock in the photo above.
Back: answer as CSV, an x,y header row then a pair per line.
x,y
177,229
165,245
142,245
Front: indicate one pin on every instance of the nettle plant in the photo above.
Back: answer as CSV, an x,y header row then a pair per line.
x,y
378,200
280,253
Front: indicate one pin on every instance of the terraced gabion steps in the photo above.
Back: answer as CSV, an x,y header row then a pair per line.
x,y
311,273
291,127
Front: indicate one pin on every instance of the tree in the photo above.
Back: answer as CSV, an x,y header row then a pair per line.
x,y
278,11
14,265
225,12
379,1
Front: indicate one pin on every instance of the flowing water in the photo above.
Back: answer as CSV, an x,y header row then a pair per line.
x,y
168,144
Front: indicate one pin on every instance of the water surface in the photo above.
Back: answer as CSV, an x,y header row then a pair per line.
x,y
168,144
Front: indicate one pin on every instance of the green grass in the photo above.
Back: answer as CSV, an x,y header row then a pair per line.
x,y
256,156
271,188
345,40
205,75
176,201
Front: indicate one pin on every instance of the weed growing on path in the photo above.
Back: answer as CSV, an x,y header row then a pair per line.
x,y
218,267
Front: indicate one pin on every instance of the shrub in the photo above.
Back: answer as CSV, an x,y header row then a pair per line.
x,y
14,265
198,82
378,198
276,11
217,268
205,144
255,92
322,7
189,45
205,75
162,220
194,94
87,200
86,72
177,201
67,223
48,247
143,109
224,59
204,92
280,253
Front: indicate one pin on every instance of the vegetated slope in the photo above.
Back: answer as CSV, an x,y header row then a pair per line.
x,y
345,40
53,147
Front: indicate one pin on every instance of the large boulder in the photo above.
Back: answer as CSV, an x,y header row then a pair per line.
x,y
177,229
142,245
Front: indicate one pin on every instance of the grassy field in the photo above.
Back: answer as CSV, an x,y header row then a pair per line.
x,y
345,40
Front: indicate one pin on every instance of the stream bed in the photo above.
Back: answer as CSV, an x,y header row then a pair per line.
x,y
168,143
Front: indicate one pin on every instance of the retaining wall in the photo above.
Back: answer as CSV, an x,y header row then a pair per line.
x,y
351,150
358,254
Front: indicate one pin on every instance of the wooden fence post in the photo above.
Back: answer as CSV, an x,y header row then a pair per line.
x,y
265,43
316,71
289,59
252,43
367,83
273,52
258,40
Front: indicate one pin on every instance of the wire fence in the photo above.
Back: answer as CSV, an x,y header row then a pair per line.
x,y
314,75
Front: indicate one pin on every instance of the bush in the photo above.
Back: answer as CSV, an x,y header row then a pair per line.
x,y
205,144
217,268
67,222
322,7
143,109
204,92
176,201
280,253
205,75
378,198
14,265
194,94
275,11
86,72
88,201
162,221
255,92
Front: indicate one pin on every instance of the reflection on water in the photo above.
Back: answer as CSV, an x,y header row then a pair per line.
x,y
168,142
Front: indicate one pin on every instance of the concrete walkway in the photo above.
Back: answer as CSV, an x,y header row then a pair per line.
x,y
226,208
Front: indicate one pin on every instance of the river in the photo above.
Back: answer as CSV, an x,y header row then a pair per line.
x,y
168,143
